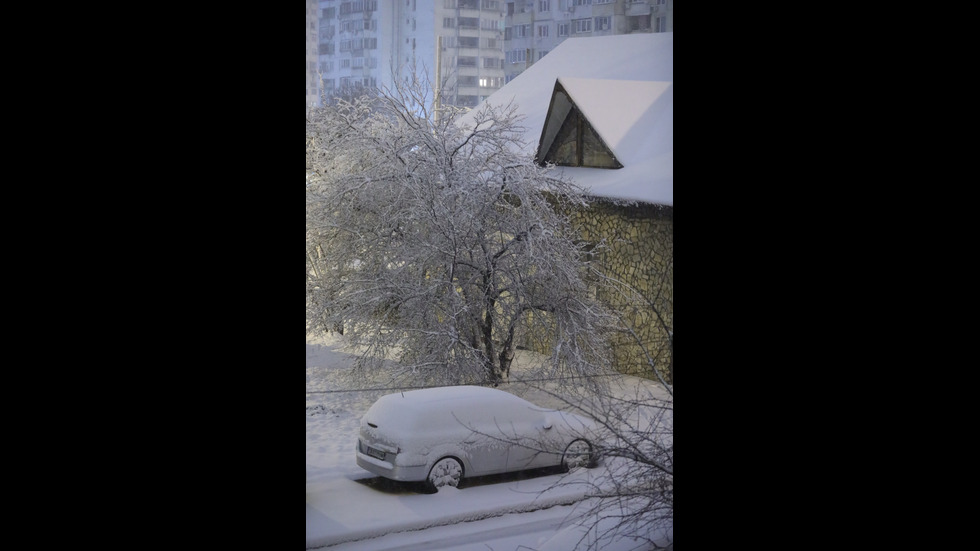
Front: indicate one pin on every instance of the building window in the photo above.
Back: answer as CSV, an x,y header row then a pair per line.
x,y
563,29
639,22
577,144
359,25
448,23
469,23
544,5
466,61
661,25
583,2
582,25
603,23
542,31
542,54
517,56
469,42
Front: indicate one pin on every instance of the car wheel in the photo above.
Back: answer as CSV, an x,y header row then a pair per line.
x,y
577,454
446,472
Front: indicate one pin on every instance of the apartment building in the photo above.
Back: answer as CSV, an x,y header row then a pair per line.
x,y
483,44
312,52
372,43
472,33
532,28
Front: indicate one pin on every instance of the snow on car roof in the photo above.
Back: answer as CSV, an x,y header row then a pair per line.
x,y
405,410
438,397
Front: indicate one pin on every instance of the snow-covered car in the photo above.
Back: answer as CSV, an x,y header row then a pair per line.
x,y
441,435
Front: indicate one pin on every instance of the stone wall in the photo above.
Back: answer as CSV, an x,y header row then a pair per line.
x,y
640,253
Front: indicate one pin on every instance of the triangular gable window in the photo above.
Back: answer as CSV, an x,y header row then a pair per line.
x,y
568,138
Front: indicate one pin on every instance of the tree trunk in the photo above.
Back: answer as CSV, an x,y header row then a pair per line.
x,y
507,354
506,357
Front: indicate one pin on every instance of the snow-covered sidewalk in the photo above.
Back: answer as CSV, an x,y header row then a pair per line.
x,y
344,510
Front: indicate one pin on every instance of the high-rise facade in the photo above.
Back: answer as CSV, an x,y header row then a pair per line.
x,y
484,43
372,43
532,28
312,52
472,33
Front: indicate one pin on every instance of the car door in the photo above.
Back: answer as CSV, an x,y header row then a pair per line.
x,y
475,435
528,447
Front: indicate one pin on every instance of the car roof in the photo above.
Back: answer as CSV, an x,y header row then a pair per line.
x,y
440,397
402,410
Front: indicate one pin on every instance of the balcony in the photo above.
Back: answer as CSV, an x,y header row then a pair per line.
x,y
638,8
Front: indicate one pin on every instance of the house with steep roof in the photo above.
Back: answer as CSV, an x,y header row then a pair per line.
x,y
600,111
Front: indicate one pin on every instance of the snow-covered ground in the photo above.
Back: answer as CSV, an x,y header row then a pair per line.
x,y
350,509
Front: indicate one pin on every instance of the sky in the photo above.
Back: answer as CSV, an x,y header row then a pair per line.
x,y
350,509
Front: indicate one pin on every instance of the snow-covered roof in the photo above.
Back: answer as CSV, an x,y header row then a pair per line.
x,y
623,85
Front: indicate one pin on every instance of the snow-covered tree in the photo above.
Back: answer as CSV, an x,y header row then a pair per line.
x,y
632,489
635,486
436,245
